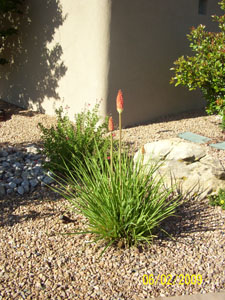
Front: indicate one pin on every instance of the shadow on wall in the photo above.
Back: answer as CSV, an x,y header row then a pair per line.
x,y
35,63
146,37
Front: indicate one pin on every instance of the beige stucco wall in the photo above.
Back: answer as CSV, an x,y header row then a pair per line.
x,y
81,29
146,37
84,38
106,45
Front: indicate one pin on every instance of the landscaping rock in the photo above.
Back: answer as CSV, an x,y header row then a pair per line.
x,y
21,170
184,164
2,190
34,182
20,190
32,149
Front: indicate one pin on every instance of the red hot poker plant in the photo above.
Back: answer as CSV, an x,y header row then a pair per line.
x,y
111,125
119,107
119,102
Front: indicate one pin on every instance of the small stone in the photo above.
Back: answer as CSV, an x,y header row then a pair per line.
x,y
9,179
1,174
17,173
28,161
9,191
2,190
37,156
25,182
20,190
37,170
32,149
48,180
17,180
3,153
24,175
5,164
33,182
40,177
25,185
17,165
11,185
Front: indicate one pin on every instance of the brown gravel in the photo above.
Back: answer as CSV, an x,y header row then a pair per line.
x,y
37,262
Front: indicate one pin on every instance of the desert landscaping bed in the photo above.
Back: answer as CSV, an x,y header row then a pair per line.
x,y
37,262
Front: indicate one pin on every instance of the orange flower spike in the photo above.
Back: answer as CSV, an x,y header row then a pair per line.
x,y
119,102
110,124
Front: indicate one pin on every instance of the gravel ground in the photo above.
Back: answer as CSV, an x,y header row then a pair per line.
x,y
38,262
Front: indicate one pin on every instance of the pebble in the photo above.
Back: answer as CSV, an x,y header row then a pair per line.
x,y
21,170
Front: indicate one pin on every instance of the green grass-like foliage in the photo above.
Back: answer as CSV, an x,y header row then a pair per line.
x,y
67,142
218,200
129,208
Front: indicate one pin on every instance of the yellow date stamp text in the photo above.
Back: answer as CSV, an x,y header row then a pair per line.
x,y
180,279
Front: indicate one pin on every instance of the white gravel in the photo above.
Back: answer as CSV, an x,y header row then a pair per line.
x,y
37,262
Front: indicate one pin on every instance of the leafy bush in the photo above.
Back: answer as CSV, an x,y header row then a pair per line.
x,y
7,26
206,69
218,200
67,141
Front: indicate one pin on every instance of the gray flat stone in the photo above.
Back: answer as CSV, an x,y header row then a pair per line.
x,y
192,137
220,146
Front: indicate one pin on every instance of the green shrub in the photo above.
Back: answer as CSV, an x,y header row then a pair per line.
x,y
206,69
8,25
67,141
218,200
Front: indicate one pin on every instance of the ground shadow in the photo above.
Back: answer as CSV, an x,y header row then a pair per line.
x,y
192,216
9,204
8,110
35,65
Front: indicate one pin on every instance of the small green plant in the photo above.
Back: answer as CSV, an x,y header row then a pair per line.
x,y
218,200
206,69
67,140
121,202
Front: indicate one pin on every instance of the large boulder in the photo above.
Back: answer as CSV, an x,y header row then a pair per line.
x,y
184,164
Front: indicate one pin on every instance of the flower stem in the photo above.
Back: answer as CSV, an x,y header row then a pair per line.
x,y
111,153
120,138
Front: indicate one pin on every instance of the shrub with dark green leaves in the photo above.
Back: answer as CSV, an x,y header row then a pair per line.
x,y
206,68
7,22
67,141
